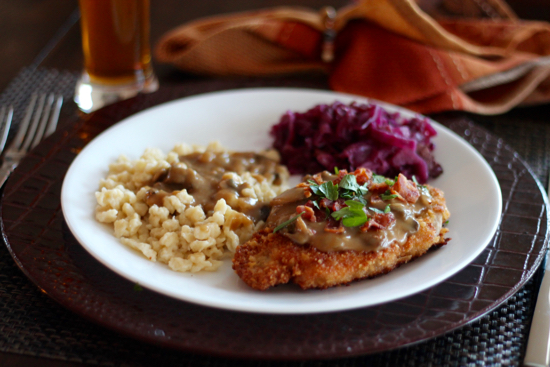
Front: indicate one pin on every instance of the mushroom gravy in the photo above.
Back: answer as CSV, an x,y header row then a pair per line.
x,y
210,176
381,211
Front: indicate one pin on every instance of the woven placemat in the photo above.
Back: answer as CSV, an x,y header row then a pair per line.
x,y
32,324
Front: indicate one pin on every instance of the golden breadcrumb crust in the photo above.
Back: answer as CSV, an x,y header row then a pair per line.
x,y
268,258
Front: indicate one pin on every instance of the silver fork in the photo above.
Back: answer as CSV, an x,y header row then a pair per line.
x,y
40,120
6,115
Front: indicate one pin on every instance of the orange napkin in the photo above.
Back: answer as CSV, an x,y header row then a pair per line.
x,y
391,50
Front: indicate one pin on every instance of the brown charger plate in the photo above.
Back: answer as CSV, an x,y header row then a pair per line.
x,y
46,251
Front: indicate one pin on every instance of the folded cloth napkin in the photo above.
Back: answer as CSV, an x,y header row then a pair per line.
x,y
391,50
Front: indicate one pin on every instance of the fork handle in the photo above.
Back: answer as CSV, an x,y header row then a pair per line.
x,y
5,171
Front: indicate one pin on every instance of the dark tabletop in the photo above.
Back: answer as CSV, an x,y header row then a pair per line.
x,y
45,35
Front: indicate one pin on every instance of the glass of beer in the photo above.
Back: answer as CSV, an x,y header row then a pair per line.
x,y
117,54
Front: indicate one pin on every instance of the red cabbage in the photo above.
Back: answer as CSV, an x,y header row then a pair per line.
x,y
354,136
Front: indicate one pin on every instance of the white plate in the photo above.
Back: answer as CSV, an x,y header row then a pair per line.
x,y
241,120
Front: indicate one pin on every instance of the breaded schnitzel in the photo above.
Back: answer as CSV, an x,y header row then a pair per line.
x,y
322,240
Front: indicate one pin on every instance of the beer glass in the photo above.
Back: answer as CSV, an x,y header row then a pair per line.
x,y
117,54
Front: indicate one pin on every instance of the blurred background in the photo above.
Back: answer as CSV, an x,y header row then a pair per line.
x,y
40,24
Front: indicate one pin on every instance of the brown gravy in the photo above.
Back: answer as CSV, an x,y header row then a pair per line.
x,y
207,177
314,233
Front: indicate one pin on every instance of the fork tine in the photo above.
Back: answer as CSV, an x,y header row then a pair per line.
x,y
45,113
55,116
34,125
6,117
18,140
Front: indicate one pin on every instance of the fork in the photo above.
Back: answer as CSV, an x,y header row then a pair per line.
x,y
6,114
40,120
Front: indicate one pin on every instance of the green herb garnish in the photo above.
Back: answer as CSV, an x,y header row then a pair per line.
x,y
347,189
137,287
314,187
388,195
376,210
286,223
349,183
354,205
378,179
352,215
362,200
423,188
329,190
386,210
336,171
355,221
417,184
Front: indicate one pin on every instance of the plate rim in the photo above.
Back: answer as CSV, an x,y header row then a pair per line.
x,y
274,310
15,242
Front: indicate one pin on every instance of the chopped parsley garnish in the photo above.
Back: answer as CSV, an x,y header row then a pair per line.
x,y
349,183
386,210
377,179
314,187
347,189
376,210
388,195
362,200
423,188
329,190
286,223
352,215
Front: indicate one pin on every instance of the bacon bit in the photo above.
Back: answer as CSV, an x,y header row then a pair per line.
x,y
341,175
362,175
325,203
307,189
309,213
379,221
332,205
320,215
378,188
334,226
375,199
399,197
334,230
317,178
406,189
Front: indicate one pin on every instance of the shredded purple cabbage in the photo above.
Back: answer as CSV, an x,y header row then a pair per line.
x,y
354,136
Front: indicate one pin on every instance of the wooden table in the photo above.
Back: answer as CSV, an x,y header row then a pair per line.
x,y
46,33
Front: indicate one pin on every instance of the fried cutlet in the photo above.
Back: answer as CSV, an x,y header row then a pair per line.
x,y
269,258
